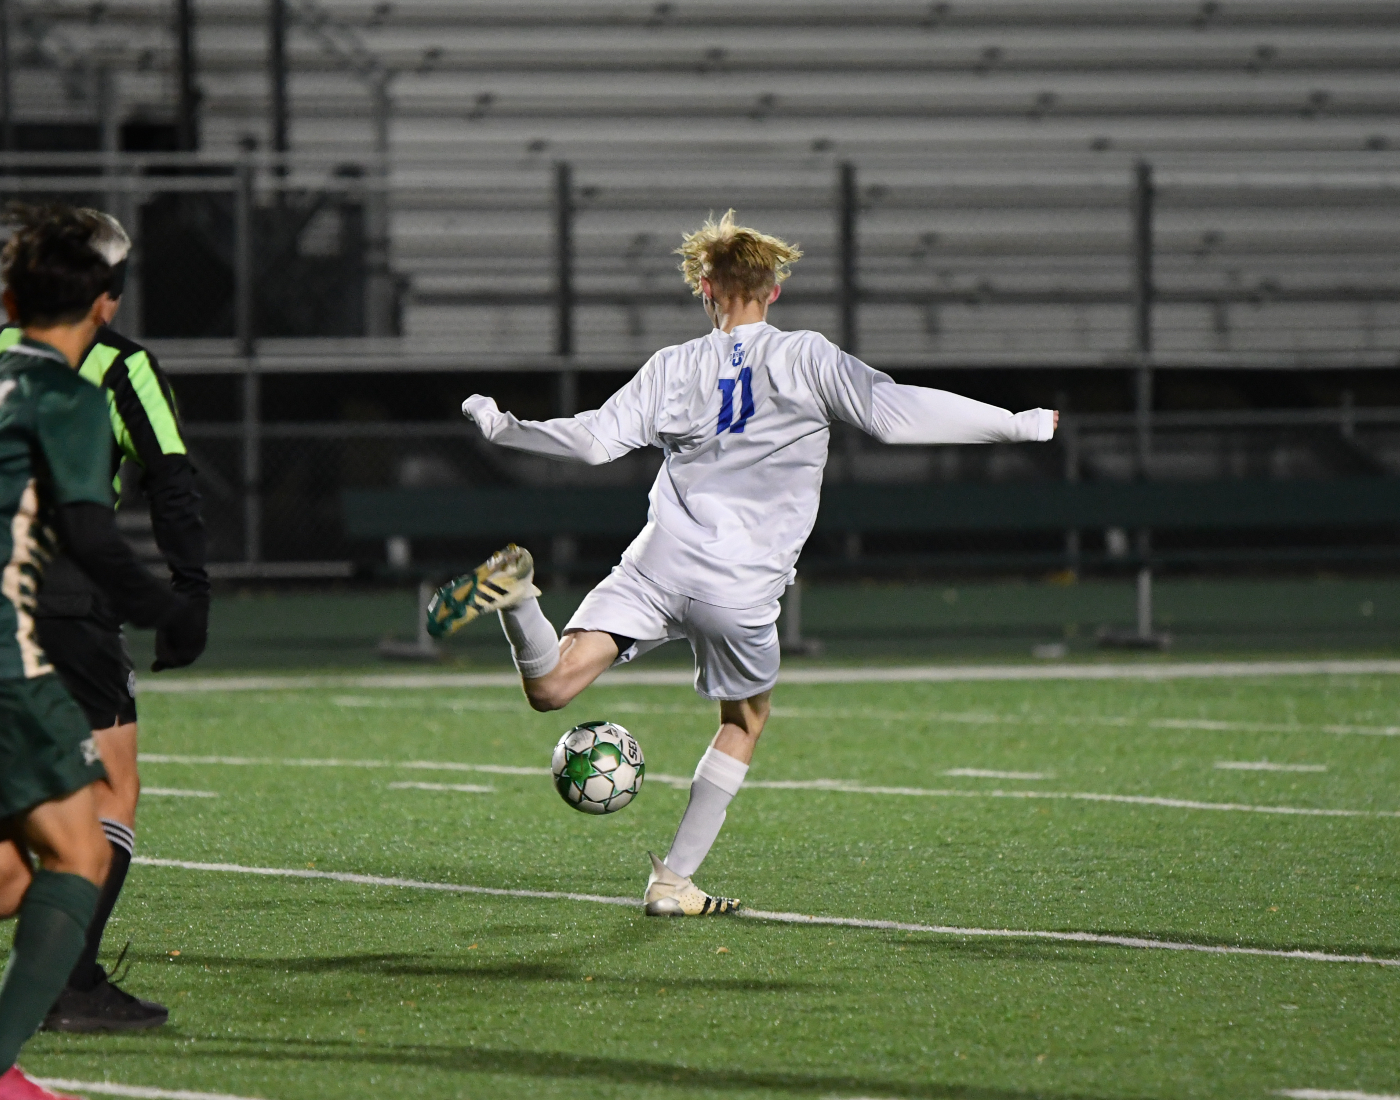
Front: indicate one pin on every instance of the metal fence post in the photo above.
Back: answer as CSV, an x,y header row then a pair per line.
x,y
563,259
7,136
848,292
277,73
1143,201
247,347
379,286
187,123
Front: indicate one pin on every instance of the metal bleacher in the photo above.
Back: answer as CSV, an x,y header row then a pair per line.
x,y
964,178
993,140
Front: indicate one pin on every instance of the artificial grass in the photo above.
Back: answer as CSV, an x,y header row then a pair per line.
x,y
287,989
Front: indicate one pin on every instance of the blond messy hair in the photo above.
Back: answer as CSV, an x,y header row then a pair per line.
x,y
738,261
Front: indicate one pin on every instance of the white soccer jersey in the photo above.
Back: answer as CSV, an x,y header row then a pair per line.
x,y
744,419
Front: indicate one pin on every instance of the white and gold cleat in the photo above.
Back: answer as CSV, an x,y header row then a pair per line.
x,y
503,580
669,895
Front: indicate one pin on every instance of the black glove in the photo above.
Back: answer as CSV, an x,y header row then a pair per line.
x,y
182,637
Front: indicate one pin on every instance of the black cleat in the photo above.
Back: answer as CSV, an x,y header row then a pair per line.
x,y
104,1007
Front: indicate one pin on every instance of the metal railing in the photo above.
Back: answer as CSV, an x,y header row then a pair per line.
x,y
568,285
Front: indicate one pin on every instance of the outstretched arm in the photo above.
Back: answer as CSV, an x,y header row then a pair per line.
x,y
626,421
914,414
874,402
563,438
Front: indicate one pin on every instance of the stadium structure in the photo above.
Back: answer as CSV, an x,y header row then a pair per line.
x,y
1172,220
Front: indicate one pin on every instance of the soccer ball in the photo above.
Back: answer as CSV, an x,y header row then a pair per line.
x,y
598,767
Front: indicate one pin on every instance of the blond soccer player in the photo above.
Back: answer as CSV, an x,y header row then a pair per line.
x,y
743,416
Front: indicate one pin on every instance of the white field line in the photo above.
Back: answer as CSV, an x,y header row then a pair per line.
x,y
1335,1094
464,788
833,786
983,773
107,1088
974,718
176,792
1077,796
939,674
1266,766
784,918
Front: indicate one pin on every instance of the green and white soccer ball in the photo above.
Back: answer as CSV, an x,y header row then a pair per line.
x,y
598,767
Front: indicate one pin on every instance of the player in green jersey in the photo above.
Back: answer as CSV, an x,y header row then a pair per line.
x,y
81,633
55,492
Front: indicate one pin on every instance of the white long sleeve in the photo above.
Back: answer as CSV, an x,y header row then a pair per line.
x,y
743,420
563,438
915,414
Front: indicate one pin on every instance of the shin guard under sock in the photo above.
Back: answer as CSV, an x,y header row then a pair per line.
x,y
53,920
533,643
86,974
717,780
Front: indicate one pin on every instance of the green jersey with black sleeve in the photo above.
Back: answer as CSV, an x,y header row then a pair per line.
x,y
53,432
145,429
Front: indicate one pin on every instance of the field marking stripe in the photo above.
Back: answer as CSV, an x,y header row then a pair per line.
x,y
1174,670
1077,796
176,792
379,880
108,1088
828,785
464,788
1335,1094
782,918
979,718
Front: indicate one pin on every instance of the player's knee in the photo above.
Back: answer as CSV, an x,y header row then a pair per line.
x,y
14,883
546,697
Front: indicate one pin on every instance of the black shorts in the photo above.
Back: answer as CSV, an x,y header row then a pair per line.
x,y
91,659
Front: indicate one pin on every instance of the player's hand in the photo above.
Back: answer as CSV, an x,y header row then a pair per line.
x,y
1057,420
182,638
482,410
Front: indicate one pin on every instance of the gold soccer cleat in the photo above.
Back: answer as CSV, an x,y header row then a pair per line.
x,y
497,584
669,895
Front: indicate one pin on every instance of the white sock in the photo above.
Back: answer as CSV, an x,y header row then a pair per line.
x,y
717,780
533,643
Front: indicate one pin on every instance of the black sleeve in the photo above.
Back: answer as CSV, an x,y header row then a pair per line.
x,y
140,389
89,536
177,523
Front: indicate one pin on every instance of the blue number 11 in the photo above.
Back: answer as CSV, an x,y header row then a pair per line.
x,y
727,423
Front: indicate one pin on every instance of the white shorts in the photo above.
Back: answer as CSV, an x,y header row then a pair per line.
x,y
736,649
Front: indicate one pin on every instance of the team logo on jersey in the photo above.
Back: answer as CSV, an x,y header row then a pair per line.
x,y
736,358
89,748
131,683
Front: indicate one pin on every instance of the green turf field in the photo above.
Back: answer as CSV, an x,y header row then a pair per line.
x,y
284,988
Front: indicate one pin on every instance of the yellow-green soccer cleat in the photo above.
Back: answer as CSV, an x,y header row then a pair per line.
x,y
500,582
669,895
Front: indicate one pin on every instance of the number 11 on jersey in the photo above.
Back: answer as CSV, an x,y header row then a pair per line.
x,y
727,423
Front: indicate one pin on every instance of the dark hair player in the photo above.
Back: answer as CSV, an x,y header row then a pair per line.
x,y
81,632
55,492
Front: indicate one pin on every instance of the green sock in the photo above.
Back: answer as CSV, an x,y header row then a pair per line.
x,y
53,921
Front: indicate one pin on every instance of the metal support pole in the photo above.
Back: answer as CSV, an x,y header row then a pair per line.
x,y
277,72
7,126
792,640
565,548
1144,602
379,286
1142,332
1142,308
109,132
187,120
792,616
847,208
244,322
563,259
